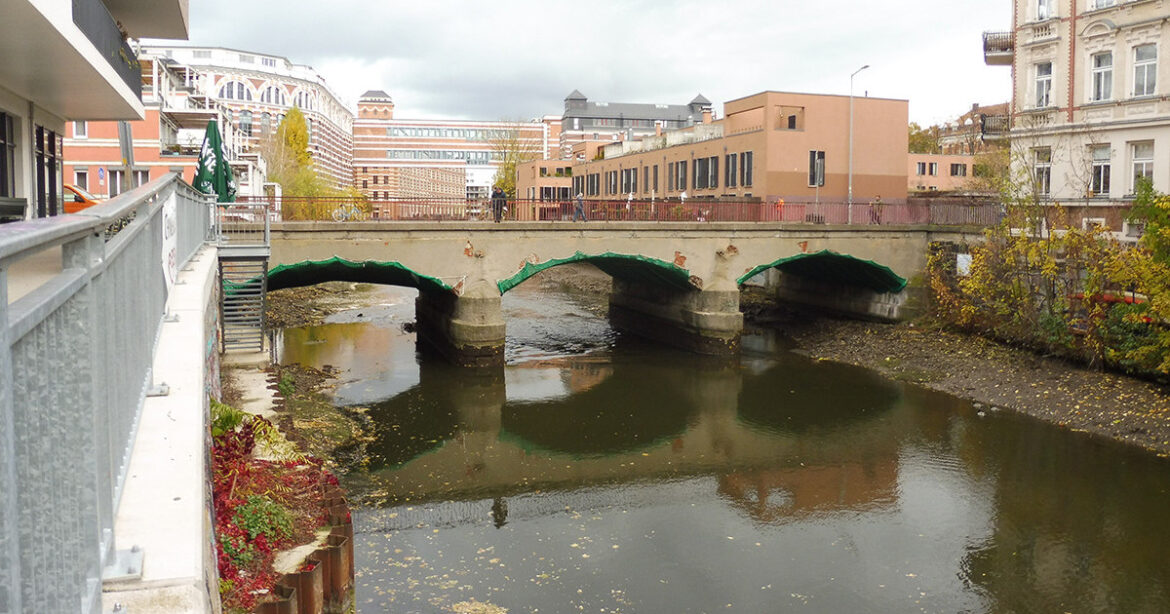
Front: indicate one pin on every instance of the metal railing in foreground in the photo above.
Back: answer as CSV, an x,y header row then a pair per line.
x,y
75,365
950,212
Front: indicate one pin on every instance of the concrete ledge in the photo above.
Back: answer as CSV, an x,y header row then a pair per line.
x,y
165,506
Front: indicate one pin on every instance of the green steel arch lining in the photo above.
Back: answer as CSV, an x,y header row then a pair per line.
x,y
626,267
830,265
309,272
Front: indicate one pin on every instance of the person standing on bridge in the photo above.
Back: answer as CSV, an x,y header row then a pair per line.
x,y
498,203
579,207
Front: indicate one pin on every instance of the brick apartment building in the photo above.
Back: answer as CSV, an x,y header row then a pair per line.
x,y
436,158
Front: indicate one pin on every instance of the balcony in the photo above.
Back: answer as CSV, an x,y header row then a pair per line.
x,y
995,126
999,48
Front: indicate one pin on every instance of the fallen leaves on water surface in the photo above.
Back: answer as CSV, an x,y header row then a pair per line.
x,y
477,607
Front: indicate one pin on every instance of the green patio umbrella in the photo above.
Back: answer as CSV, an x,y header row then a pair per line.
x,y
214,174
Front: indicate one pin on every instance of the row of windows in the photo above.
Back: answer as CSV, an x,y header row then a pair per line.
x,y
612,122
704,175
931,168
1101,76
1047,9
1141,155
444,154
272,94
467,134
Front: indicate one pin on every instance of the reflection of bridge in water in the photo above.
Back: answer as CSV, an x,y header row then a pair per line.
x,y
788,440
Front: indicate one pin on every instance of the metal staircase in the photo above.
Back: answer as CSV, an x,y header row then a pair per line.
x,y
244,248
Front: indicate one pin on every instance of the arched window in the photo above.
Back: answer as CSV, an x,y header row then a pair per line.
x,y
273,95
235,90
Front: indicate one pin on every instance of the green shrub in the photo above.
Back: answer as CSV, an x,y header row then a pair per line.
x,y
261,515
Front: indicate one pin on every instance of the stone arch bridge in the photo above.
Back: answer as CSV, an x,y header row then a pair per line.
x,y
677,283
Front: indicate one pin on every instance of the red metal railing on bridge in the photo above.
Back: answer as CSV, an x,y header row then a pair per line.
x,y
692,210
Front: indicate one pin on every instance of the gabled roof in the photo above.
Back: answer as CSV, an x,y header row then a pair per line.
x,y
700,99
576,95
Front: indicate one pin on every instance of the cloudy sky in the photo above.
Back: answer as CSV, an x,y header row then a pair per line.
x,y
514,59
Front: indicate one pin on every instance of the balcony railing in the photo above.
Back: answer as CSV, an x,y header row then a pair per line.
x,y
94,20
999,48
75,363
996,125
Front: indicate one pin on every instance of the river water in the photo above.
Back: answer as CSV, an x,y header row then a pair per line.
x,y
597,473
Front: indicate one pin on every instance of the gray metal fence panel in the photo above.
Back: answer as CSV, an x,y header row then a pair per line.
x,y
75,361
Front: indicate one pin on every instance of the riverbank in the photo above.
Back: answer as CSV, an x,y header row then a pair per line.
x,y
994,375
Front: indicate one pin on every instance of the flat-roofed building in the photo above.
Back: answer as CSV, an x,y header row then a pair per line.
x,y
389,152
769,145
939,172
259,89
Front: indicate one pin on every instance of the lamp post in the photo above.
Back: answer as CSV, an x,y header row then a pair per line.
x,y
851,140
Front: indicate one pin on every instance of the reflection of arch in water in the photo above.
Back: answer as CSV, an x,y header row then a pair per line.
x,y
799,396
406,427
621,414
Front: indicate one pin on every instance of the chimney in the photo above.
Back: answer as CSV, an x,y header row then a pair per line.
x,y
706,116
657,127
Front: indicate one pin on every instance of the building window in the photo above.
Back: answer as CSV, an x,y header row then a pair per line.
x,y
958,170
80,130
1102,4
645,178
365,183
201,54
1102,76
682,176
246,123
141,178
114,182
81,178
1044,10
713,172
745,174
816,168
934,169
655,178
247,59
1043,84
235,90
7,156
273,95
47,160
1042,169
729,173
1099,182
269,62
1143,163
920,168
1145,70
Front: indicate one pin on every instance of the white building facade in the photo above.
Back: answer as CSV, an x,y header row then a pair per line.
x,y
259,89
1090,110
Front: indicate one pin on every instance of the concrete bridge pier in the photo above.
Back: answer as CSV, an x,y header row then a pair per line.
x,y
702,321
468,329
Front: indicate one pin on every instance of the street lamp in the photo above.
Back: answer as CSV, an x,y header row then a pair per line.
x,y
851,140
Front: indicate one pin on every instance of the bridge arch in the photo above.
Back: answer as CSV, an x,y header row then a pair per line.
x,y
626,267
309,272
833,267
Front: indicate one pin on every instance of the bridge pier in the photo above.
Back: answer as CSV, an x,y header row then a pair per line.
x,y
701,321
467,330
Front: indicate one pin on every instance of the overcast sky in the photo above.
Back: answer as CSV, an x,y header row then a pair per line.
x,y
518,59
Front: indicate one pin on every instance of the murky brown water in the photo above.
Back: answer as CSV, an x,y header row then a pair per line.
x,y
598,474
